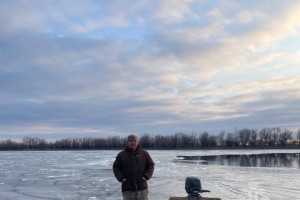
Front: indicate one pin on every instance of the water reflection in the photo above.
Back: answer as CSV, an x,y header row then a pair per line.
x,y
288,160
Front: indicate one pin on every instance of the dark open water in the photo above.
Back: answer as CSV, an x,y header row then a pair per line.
x,y
286,160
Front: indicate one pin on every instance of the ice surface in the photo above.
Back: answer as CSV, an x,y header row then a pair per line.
x,y
88,175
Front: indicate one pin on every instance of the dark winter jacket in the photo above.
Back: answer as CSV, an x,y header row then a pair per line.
x,y
133,166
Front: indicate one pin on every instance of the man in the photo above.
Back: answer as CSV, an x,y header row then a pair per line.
x,y
133,167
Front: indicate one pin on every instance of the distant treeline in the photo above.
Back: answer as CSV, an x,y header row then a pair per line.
x,y
243,138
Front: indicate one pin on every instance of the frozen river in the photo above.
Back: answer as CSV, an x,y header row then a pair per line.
x,y
87,175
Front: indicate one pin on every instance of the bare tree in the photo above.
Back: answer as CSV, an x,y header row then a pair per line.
x,y
231,140
285,136
221,138
204,139
253,138
244,136
298,137
264,136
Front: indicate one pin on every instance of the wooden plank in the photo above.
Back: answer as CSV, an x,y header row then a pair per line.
x,y
194,198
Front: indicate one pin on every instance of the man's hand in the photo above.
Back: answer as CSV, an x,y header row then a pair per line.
x,y
124,179
144,178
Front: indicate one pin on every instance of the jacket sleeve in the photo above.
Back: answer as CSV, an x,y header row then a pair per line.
x,y
149,167
117,169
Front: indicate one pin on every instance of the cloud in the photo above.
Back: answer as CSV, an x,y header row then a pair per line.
x,y
157,67
173,11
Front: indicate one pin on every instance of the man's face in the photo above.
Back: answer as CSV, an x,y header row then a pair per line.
x,y
132,144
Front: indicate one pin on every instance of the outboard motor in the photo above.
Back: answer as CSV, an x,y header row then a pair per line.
x,y
193,187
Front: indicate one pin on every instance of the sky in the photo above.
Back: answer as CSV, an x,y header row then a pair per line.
x,y
73,68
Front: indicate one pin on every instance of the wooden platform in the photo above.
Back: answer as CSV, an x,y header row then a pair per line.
x,y
185,198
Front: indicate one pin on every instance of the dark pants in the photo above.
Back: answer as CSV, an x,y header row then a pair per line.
x,y
136,195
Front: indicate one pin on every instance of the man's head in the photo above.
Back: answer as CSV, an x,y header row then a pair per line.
x,y
132,142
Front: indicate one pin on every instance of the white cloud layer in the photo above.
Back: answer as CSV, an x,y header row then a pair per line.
x,y
83,67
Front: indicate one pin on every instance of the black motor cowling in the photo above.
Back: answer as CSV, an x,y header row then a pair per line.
x,y
193,186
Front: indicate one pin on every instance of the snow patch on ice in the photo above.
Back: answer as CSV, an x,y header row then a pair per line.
x,y
60,176
80,159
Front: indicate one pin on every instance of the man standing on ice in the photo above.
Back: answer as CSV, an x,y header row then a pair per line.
x,y
133,167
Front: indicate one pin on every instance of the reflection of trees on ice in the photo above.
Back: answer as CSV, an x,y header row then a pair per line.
x,y
254,192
